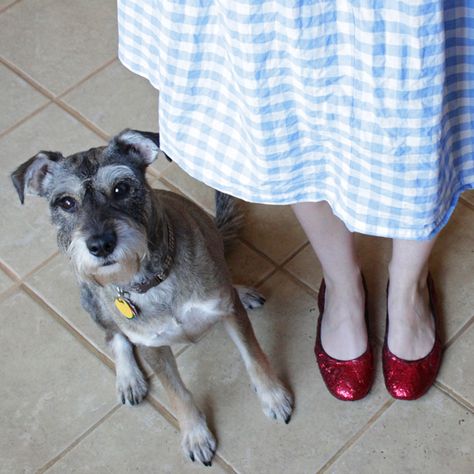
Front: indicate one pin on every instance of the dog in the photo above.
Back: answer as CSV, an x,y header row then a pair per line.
x,y
152,272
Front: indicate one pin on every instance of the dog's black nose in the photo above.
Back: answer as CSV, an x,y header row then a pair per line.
x,y
102,245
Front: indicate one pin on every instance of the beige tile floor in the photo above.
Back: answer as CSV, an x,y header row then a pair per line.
x,y
62,88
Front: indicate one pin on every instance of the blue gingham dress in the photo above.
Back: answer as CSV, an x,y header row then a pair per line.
x,y
368,105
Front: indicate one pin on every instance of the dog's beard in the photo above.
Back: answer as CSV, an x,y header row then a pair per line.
x,y
120,266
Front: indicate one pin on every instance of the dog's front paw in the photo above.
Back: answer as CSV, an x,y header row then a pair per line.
x,y
250,297
277,402
131,387
199,443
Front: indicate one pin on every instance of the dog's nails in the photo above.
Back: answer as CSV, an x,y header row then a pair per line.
x,y
191,456
123,399
288,419
207,464
274,415
212,449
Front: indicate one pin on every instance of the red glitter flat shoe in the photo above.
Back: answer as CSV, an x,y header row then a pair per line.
x,y
347,380
410,379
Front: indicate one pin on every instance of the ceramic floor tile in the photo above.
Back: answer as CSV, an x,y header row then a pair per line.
x,y
17,98
5,281
306,267
29,237
374,254
214,372
194,189
5,3
469,196
134,439
156,183
247,266
457,370
160,165
273,230
451,265
56,284
60,43
433,434
52,388
115,98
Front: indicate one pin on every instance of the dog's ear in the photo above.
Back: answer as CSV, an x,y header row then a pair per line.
x,y
145,145
34,176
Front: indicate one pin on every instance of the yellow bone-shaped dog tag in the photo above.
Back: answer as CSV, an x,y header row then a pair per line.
x,y
127,308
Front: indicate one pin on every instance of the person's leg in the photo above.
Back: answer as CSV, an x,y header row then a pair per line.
x,y
411,330
343,329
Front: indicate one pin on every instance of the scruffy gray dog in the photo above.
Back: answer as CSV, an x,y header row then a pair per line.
x,y
151,269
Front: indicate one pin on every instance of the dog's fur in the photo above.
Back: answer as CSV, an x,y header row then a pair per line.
x,y
113,227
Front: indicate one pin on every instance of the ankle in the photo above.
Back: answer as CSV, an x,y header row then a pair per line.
x,y
407,281
349,281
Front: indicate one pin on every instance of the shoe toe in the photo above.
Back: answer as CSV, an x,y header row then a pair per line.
x,y
409,380
348,380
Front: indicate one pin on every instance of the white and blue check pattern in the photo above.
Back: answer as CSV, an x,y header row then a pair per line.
x,y
368,105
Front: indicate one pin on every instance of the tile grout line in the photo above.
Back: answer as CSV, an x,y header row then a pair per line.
x,y
87,77
354,438
18,280
7,7
294,254
40,266
180,191
12,289
27,78
9,271
459,333
280,267
58,99
18,124
82,119
78,440
104,358
275,266
456,397
466,203
172,420
156,404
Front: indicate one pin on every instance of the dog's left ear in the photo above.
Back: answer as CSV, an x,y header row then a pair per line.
x,y
145,145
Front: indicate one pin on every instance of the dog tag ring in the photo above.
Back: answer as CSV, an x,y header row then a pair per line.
x,y
125,306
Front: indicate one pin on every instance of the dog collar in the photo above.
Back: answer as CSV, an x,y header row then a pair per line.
x,y
122,300
159,277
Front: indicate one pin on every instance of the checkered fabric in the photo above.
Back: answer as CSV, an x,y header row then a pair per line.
x,y
368,105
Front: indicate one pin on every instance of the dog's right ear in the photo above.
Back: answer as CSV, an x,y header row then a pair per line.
x,y
34,176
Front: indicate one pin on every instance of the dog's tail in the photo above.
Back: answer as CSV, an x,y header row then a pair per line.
x,y
230,217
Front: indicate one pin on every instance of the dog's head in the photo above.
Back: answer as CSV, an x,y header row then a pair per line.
x,y
99,201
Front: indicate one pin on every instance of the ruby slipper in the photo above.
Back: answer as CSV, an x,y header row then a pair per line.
x,y
347,380
410,379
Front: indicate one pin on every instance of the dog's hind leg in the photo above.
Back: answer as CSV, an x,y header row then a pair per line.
x,y
130,382
276,401
197,440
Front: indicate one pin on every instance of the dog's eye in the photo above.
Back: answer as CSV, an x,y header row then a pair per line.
x,y
67,203
121,190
